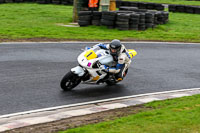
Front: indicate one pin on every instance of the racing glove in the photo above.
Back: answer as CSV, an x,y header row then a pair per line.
x,y
102,46
104,68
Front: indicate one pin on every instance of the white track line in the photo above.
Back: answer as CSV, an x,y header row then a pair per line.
x,y
94,102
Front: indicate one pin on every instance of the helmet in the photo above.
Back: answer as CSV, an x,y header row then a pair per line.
x,y
115,47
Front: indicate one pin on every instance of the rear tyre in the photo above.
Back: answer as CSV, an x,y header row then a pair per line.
x,y
110,83
111,80
69,81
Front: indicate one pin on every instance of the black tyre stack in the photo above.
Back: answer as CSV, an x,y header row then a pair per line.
x,y
84,18
29,1
134,21
2,1
48,1
142,5
172,8
180,8
133,9
66,2
184,9
162,17
125,3
142,25
56,1
122,22
118,3
159,7
166,17
197,10
108,19
96,18
125,8
134,4
41,1
19,1
156,22
151,6
189,9
149,20
9,1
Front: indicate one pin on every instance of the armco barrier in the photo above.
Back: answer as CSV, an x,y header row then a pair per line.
x,y
184,9
124,19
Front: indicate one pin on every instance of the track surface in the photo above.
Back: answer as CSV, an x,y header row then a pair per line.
x,y
30,74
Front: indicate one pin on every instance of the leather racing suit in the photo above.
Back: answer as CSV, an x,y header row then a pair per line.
x,y
122,61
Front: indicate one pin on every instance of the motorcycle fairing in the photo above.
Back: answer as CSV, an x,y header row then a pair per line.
x,y
78,70
90,54
132,53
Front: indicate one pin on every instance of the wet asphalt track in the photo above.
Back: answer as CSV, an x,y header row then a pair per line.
x,y
30,74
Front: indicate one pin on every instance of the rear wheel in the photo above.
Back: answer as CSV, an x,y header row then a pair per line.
x,y
111,80
69,81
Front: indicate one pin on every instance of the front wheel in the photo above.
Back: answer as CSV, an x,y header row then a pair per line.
x,y
69,81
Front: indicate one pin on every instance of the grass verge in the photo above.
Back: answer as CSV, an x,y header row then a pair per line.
x,y
170,116
35,21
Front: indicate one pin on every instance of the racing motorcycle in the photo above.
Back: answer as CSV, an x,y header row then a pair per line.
x,y
89,70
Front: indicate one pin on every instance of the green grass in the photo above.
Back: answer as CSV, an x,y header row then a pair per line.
x,y
21,21
181,2
34,20
180,115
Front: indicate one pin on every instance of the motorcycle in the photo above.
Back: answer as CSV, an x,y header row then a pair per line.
x,y
89,70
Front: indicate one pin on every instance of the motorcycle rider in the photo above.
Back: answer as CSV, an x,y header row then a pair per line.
x,y
120,56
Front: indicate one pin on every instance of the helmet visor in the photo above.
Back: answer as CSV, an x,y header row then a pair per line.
x,y
113,50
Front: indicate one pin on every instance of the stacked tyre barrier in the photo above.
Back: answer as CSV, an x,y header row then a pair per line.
x,y
142,25
19,1
56,1
85,18
149,20
184,9
135,9
134,21
124,20
64,2
141,5
160,17
7,1
108,19
96,18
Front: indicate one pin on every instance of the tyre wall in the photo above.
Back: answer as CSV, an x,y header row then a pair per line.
x,y
184,9
124,19
140,5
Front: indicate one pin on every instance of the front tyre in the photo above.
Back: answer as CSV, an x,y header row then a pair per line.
x,y
69,81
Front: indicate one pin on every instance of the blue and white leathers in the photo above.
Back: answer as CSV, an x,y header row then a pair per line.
x,y
123,60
